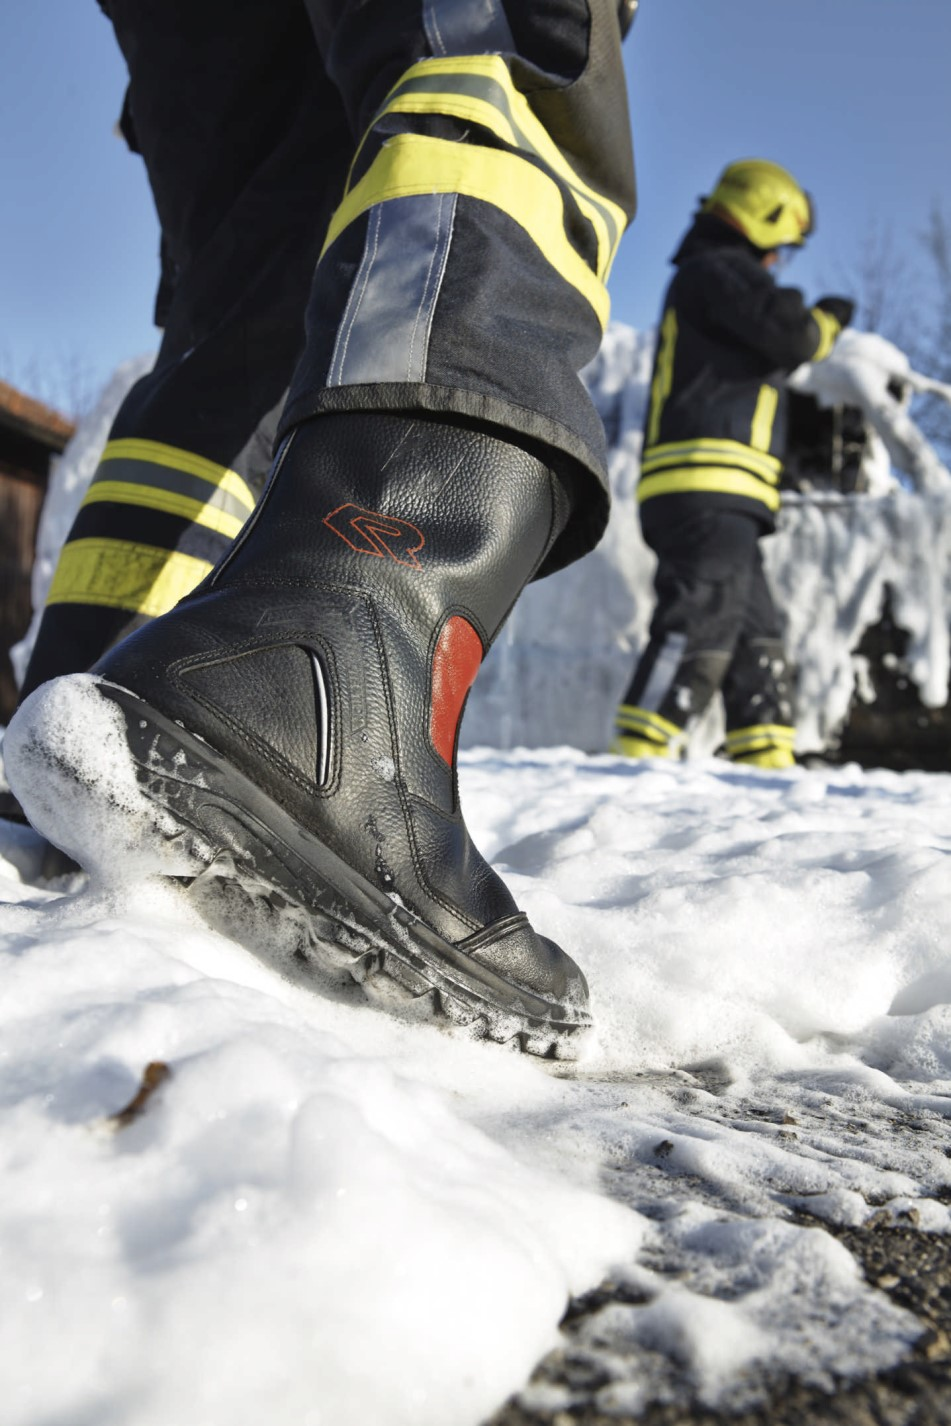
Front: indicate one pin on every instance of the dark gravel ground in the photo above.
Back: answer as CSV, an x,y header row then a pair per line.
x,y
912,1267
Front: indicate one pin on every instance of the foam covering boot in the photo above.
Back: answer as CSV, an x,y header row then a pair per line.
x,y
294,722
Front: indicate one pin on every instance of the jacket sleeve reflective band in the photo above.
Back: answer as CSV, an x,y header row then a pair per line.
x,y
710,466
712,480
761,428
708,450
829,329
663,373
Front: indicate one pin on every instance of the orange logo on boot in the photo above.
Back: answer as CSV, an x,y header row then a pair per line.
x,y
370,533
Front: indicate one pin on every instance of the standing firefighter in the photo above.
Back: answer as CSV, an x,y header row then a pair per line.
x,y
712,461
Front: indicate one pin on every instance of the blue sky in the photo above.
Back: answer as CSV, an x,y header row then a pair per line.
x,y
851,95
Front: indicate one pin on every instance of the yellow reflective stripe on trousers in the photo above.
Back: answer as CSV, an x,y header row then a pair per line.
x,y
479,89
663,373
711,479
761,428
631,719
704,450
154,498
633,745
829,329
157,453
481,112
760,736
411,164
119,574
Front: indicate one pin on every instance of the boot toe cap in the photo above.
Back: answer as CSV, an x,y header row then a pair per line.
x,y
517,953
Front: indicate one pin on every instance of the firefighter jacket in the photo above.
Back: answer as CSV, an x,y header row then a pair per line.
x,y
716,419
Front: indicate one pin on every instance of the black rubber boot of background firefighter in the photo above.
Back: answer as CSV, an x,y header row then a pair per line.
x,y
301,707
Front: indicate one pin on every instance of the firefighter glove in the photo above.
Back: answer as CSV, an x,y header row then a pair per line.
x,y
841,308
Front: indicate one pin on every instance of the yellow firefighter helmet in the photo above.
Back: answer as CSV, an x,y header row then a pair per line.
x,y
764,202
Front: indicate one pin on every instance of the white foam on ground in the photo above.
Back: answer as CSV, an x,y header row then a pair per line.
x,y
324,1216
296,1231
66,757
328,1216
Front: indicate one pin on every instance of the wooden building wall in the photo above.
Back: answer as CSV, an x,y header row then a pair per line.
x,y
31,434
20,504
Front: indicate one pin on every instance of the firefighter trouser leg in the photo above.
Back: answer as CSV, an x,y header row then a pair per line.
x,y
463,272
712,601
245,145
462,173
757,688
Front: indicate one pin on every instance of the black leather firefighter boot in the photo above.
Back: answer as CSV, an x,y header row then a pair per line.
x,y
293,723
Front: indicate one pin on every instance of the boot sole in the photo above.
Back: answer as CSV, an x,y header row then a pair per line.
x,y
255,874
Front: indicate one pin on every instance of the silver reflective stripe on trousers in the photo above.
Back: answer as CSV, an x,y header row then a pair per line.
x,y
467,27
156,475
663,673
384,333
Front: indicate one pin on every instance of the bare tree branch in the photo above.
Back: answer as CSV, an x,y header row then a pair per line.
x,y
66,381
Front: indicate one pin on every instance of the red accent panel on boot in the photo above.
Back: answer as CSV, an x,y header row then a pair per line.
x,y
455,664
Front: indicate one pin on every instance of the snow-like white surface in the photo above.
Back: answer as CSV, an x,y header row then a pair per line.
x,y
831,567
302,1228
865,370
327,1216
